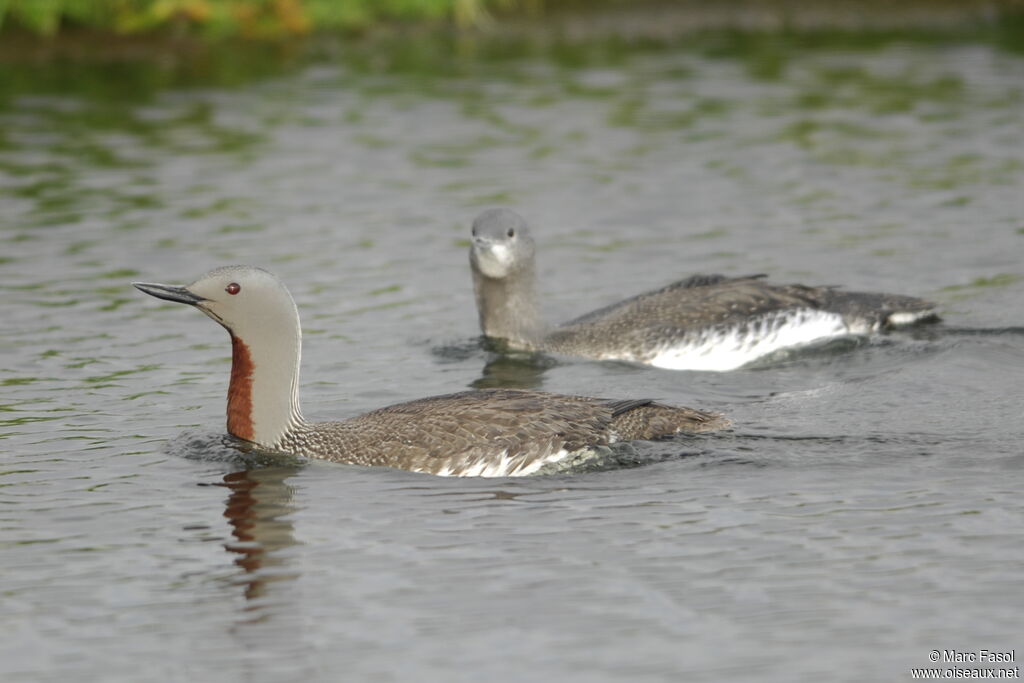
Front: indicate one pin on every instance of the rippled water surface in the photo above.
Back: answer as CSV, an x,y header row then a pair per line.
x,y
864,510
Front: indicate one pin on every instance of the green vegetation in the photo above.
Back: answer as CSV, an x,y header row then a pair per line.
x,y
120,52
276,19
248,18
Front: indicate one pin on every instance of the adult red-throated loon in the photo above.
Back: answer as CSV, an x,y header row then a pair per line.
x,y
497,432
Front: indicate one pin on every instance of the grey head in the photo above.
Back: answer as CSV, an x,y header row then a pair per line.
x,y
249,301
502,258
502,244
259,313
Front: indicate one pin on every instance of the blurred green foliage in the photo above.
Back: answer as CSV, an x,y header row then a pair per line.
x,y
247,18
212,20
282,18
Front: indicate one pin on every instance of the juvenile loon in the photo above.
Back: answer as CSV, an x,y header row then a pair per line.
x,y
705,322
497,432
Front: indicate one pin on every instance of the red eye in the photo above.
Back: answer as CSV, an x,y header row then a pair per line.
x,y
233,288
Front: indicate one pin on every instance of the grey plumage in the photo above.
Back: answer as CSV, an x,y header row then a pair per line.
x,y
680,312
496,432
501,432
693,313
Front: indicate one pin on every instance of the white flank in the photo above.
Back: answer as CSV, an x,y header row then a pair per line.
x,y
728,349
907,317
503,466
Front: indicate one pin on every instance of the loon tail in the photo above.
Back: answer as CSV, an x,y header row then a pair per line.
x,y
880,311
646,419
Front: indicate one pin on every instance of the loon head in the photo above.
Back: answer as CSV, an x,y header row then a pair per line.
x,y
502,245
249,301
259,313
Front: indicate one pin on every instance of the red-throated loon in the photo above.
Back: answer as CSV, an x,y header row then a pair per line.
x,y
706,322
497,432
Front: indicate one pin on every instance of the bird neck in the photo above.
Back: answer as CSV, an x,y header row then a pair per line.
x,y
263,396
508,307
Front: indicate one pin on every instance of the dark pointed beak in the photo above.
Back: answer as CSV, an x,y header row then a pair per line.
x,y
482,243
173,293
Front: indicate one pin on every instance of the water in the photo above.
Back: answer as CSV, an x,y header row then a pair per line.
x,y
864,511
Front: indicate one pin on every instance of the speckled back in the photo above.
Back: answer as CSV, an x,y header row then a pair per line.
x,y
496,431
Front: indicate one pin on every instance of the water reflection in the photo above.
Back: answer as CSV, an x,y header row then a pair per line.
x,y
502,367
258,511
519,371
